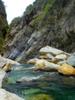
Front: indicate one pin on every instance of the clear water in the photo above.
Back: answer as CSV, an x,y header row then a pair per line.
x,y
42,85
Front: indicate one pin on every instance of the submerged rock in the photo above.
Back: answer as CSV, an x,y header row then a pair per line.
x,y
71,60
5,95
28,79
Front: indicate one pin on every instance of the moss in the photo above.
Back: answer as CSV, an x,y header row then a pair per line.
x,y
41,97
48,6
36,22
1,44
43,18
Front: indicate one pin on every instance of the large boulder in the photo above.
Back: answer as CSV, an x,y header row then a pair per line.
x,y
66,69
5,95
42,64
4,61
50,50
71,60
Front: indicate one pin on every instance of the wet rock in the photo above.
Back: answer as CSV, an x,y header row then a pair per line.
x,y
28,79
71,60
66,69
50,50
5,95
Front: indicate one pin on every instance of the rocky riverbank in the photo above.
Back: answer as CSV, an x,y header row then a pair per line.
x,y
5,65
53,61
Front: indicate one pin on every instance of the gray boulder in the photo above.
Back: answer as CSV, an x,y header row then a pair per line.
x,y
71,60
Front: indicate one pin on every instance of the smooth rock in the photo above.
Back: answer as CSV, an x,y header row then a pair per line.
x,y
32,61
2,77
71,60
5,95
44,64
28,79
61,57
7,67
66,69
50,50
62,62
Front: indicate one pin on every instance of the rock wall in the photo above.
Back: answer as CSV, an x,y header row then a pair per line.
x,y
45,22
3,24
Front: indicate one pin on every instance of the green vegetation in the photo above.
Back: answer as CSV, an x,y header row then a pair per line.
x,y
43,18
41,97
3,25
48,6
36,22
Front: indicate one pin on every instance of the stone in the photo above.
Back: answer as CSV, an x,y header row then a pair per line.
x,y
44,64
4,61
5,95
66,69
47,56
50,50
2,77
32,61
61,57
62,62
71,60
28,79
7,67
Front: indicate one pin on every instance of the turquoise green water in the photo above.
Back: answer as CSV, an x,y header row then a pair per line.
x,y
40,85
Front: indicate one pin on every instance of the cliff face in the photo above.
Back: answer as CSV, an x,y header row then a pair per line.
x,y
46,22
3,25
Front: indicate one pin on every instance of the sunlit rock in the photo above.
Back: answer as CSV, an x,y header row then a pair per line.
x,y
66,69
32,61
61,57
45,65
50,50
7,67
